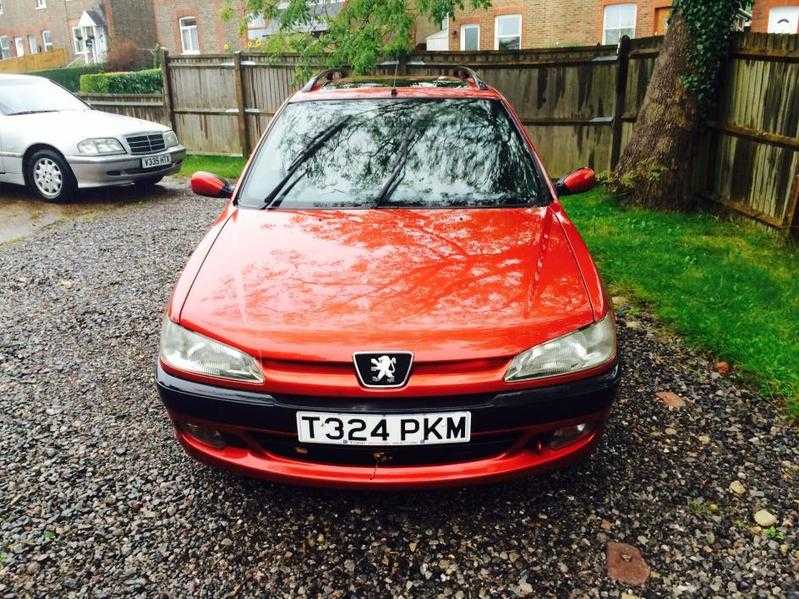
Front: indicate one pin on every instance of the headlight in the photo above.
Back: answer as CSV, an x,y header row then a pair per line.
x,y
581,350
100,147
171,139
194,353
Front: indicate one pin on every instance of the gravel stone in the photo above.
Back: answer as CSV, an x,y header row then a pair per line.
x,y
95,490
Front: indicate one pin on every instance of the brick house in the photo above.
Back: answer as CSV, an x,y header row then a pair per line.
x,y
775,16
85,28
514,24
196,26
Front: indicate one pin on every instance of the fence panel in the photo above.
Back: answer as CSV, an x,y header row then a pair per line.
x,y
755,137
54,59
149,107
204,103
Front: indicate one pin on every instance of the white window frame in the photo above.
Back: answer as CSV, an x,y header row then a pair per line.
x,y
463,36
611,7
1,7
33,44
79,46
47,40
786,12
19,44
40,4
184,28
5,47
497,19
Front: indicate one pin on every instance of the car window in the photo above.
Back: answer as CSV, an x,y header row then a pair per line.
x,y
29,96
394,152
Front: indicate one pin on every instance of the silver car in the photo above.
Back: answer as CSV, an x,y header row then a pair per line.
x,y
55,143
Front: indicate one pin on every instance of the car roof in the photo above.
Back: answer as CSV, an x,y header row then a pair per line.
x,y
335,84
16,77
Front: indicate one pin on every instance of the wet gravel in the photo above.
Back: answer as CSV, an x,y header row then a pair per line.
x,y
97,500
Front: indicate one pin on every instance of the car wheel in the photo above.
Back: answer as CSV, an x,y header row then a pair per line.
x,y
145,184
49,176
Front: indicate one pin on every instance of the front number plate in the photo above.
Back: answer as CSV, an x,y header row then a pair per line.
x,y
377,429
156,161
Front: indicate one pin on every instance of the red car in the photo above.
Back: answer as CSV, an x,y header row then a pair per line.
x,y
392,297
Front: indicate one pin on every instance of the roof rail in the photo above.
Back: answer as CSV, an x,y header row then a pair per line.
x,y
462,72
327,75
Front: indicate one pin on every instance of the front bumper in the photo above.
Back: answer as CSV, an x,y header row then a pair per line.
x,y
509,433
103,171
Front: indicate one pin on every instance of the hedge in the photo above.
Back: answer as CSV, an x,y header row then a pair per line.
x,y
69,77
134,82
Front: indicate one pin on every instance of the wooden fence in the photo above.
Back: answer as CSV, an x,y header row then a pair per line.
x,y
54,59
579,104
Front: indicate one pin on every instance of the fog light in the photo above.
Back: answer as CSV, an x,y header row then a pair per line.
x,y
209,436
569,434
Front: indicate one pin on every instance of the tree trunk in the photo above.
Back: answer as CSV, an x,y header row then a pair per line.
x,y
655,167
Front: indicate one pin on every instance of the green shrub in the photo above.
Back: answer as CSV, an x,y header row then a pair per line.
x,y
134,82
69,77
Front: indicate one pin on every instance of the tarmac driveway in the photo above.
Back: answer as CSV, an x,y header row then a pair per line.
x,y
97,500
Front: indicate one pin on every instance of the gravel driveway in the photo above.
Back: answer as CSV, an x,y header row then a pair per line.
x,y
96,498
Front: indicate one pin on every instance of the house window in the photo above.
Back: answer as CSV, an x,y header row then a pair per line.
x,y
79,40
470,38
33,44
5,48
40,4
1,7
20,44
47,41
784,19
508,32
188,36
619,21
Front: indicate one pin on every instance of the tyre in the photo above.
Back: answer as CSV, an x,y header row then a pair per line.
x,y
146,184
49,176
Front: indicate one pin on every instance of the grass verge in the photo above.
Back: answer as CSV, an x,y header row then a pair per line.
x,y
228,167
725,286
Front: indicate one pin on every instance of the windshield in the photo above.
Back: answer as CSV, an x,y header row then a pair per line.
x,y
29,96
391,153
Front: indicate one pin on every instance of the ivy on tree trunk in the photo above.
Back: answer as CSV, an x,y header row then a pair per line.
x,y
655,167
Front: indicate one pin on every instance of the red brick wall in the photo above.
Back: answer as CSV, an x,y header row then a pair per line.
x,y
544,23
212,32
761,10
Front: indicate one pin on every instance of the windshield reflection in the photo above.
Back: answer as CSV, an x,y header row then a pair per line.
x,y
408,152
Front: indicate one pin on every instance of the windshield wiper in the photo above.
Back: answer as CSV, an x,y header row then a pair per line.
x,y
273,200
30,112
393,181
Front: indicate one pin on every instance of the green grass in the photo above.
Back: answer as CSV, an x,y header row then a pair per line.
x,y
228,167
725,286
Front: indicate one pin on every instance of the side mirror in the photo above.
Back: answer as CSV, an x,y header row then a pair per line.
x,y
579,181
210,186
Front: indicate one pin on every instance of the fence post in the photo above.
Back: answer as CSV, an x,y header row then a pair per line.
x,y
241,106
619,105
166,83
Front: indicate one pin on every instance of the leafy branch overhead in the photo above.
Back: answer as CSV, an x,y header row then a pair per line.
x,y
360,35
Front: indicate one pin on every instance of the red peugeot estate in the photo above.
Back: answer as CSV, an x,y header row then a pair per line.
x,y
392,297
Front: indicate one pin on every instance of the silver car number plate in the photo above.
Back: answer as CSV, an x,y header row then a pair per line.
x,y
156,161
378,429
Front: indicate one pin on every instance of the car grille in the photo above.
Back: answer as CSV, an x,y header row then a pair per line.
x,y
477,449
146,144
